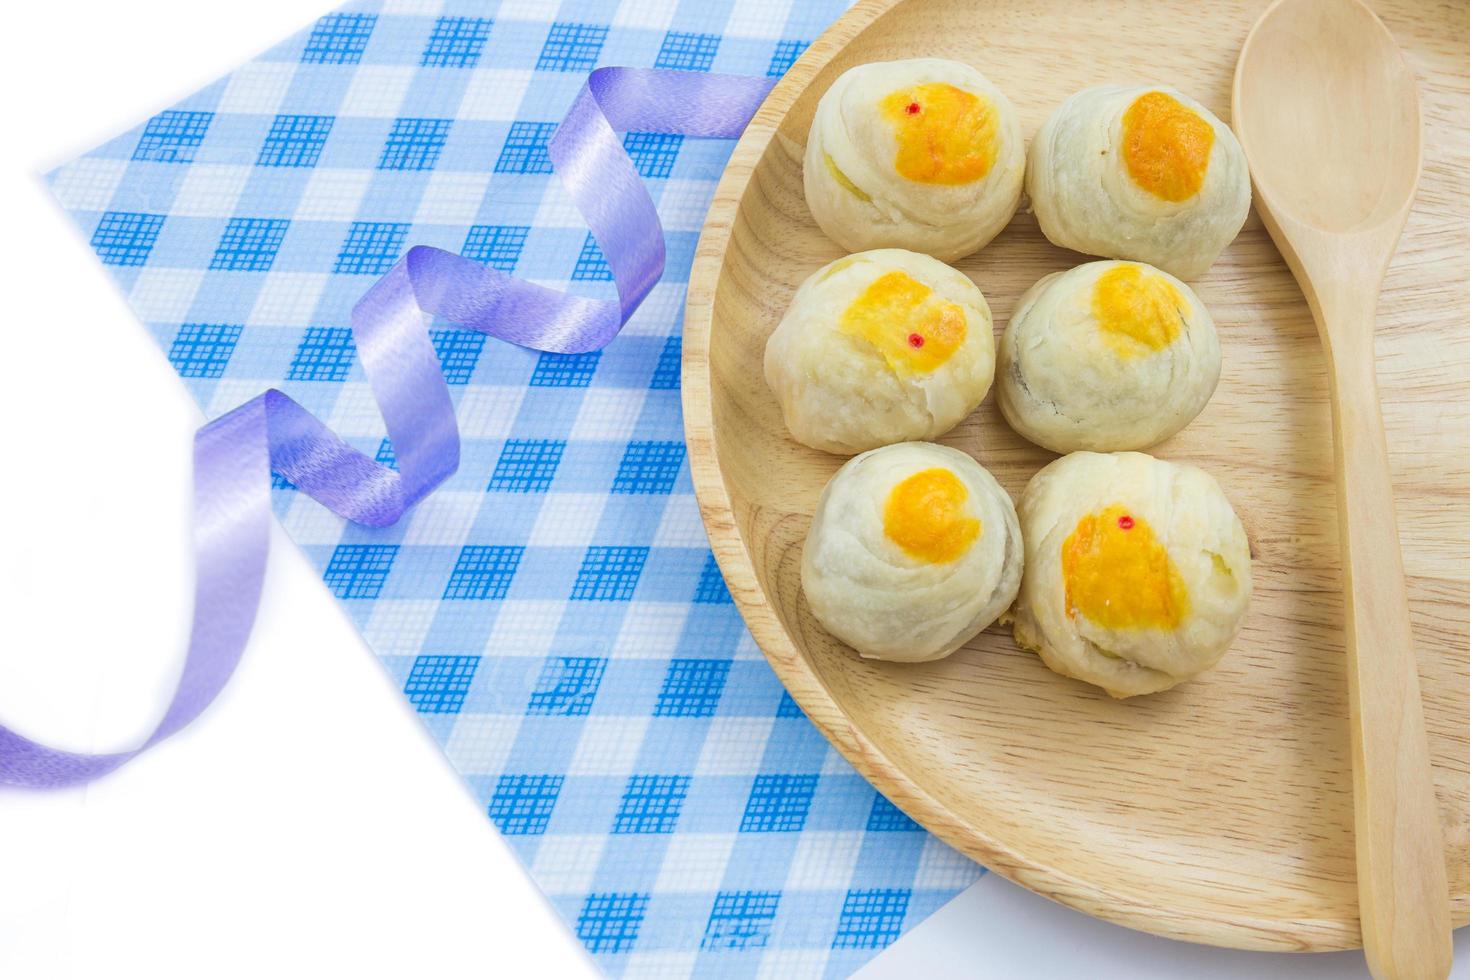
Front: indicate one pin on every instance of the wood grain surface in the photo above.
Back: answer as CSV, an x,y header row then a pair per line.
x,y
1338,237
1220,811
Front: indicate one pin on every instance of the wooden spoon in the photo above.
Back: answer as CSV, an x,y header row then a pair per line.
x,y
1328,114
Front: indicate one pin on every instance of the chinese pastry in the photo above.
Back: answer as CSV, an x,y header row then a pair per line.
x,y
1138,573
880,347
913,550
1107,356
1149,174
924,154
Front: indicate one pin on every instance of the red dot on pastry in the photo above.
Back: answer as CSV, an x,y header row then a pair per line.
x,y
1125,522
912,108
916,340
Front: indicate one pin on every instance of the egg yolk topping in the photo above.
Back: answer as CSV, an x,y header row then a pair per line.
x,y
1166,146
1119,576
907,323
1137,311
945,134
925,516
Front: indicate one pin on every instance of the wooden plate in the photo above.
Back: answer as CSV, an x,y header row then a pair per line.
x,y
1220,811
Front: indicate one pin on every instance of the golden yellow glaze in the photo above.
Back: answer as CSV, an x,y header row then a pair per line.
x,y
1137,310
925,516
1166,146
912,328
945,134
1121,577
843,180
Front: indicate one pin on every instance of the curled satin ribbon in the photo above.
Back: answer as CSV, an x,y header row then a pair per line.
x,y
234,454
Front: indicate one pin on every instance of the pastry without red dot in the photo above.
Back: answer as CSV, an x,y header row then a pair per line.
x,y
1139,172
914,549
1107,356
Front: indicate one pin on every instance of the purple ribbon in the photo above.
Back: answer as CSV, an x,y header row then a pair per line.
x,y
234,454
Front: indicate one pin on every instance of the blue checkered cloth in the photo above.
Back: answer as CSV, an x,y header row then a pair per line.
x,y
552,612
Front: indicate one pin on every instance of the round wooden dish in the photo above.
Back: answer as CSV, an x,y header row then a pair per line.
x,y
1220,811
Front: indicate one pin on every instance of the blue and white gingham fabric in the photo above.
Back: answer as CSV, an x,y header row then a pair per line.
x,y
553,611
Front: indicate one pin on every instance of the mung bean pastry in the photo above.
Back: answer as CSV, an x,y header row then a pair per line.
x,y
1130,172
1107,356
913,550
880,347
1138,573
924,154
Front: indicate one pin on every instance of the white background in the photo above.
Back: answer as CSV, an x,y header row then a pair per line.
x,y
307,826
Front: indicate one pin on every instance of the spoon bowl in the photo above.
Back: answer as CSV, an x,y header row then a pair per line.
x,y
1355,166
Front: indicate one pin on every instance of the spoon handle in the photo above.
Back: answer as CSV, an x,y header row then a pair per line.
x,y
1403,896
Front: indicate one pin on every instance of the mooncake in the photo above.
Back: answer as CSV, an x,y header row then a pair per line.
x,y
924,154
1107,356
1137,571
1143,173
880,347
913,550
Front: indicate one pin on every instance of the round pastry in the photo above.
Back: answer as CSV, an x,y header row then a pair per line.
x,y
913,550
1138,573
1139,173
880,347
924,154
1106,356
